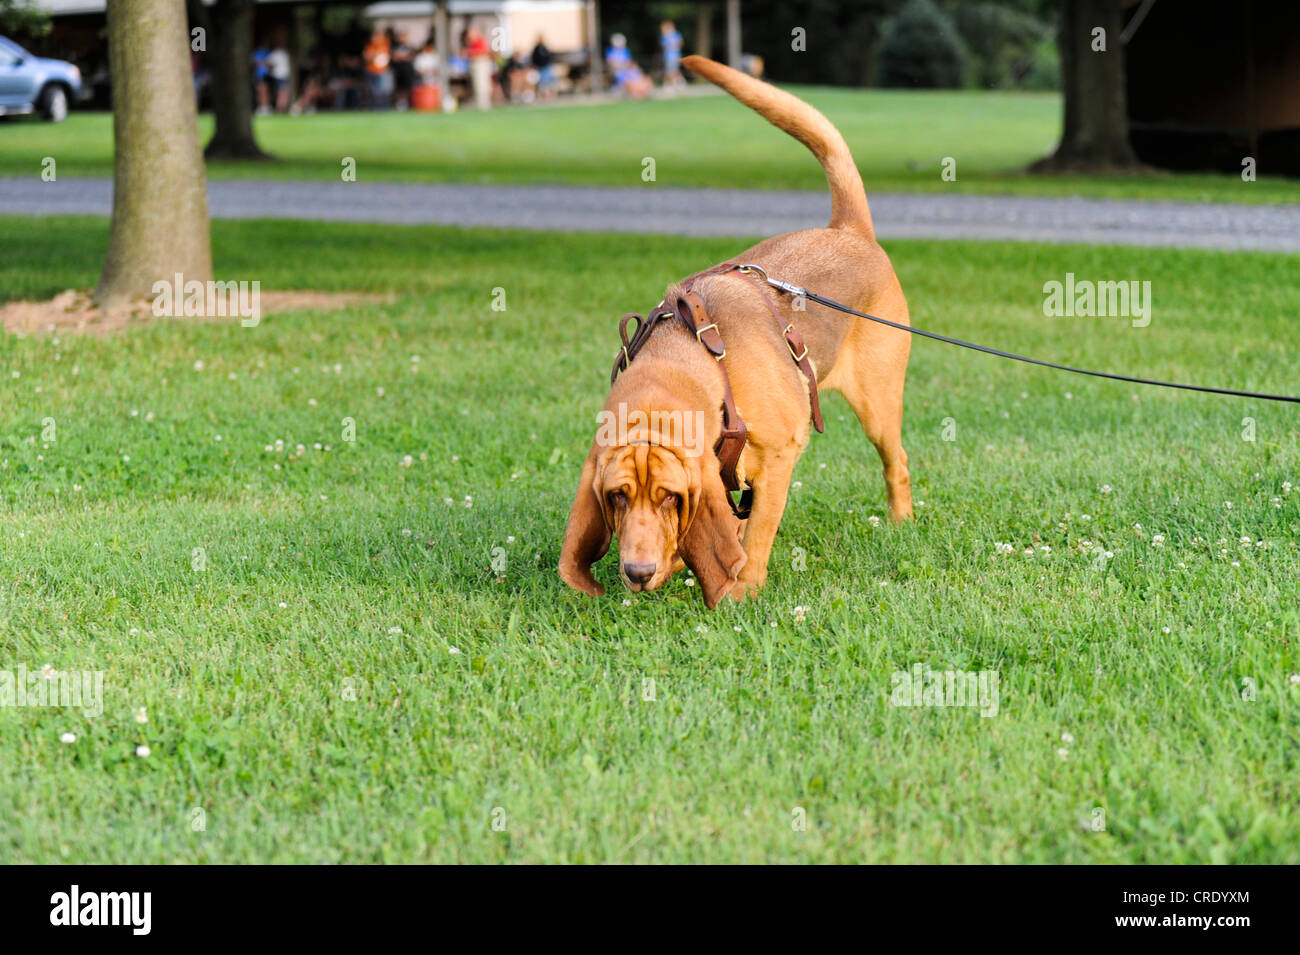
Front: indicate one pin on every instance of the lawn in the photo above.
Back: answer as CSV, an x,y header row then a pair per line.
x,y
376,660
899,140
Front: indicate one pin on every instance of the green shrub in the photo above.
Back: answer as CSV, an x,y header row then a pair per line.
x,y
922,49
1007,47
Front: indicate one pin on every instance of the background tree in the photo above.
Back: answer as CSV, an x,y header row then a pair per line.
x,y
1095,136
22,18
160,200
229,25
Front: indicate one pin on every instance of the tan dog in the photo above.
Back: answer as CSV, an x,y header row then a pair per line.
x,y
662,494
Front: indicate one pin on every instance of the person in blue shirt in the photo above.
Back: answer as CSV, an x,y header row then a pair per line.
x,y
670,41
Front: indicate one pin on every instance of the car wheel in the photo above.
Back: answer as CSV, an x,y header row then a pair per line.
x,y
54,104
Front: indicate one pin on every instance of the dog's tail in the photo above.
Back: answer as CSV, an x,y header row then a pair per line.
x,y
849,209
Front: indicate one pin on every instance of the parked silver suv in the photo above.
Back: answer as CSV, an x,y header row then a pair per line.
x,y
30,83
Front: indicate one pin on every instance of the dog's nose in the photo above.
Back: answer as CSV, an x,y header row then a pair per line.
x,y
639,573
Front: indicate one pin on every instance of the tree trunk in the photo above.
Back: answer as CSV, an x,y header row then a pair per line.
x,y
230,52
160,190
1095,137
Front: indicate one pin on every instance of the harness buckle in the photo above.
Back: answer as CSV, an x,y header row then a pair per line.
x,y
699,332
797,358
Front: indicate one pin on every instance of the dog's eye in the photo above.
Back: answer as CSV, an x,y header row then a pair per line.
x,y
670,500
618,499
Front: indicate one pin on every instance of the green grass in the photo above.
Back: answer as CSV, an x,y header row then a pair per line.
x,y
899,140
310,570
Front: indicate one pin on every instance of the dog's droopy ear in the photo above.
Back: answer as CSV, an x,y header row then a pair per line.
x,y
586,539
710,545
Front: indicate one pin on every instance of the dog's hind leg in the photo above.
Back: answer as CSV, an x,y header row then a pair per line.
x,y
882,422
869,374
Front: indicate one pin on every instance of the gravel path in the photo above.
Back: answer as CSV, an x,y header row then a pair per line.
x,y
707,212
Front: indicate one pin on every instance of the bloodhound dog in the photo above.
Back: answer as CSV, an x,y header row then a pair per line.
x,y
652,476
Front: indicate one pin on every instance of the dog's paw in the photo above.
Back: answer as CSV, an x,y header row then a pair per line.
x,y
743,589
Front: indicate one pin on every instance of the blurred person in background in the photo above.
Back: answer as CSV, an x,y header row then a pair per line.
x,y
544,63
479,55
278,76
403,68
515,79
313,79
670,41
379,59
260,73
628,77
425,63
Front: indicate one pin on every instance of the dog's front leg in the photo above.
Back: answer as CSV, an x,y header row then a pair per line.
x,y
770,480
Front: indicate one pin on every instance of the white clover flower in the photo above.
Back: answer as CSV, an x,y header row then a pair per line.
x,y
407,461
142,750
141,714
1106,489
1067,738
1063,753
453,650
68,738
1158,540
799,613
394,630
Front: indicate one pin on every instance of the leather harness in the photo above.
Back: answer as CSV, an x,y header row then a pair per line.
x,y
689,310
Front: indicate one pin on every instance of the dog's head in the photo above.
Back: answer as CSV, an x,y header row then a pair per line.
x,y
662,503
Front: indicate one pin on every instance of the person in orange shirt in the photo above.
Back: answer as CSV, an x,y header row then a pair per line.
x,y
378,57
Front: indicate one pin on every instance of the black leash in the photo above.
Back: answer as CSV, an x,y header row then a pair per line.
x,y
792,289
